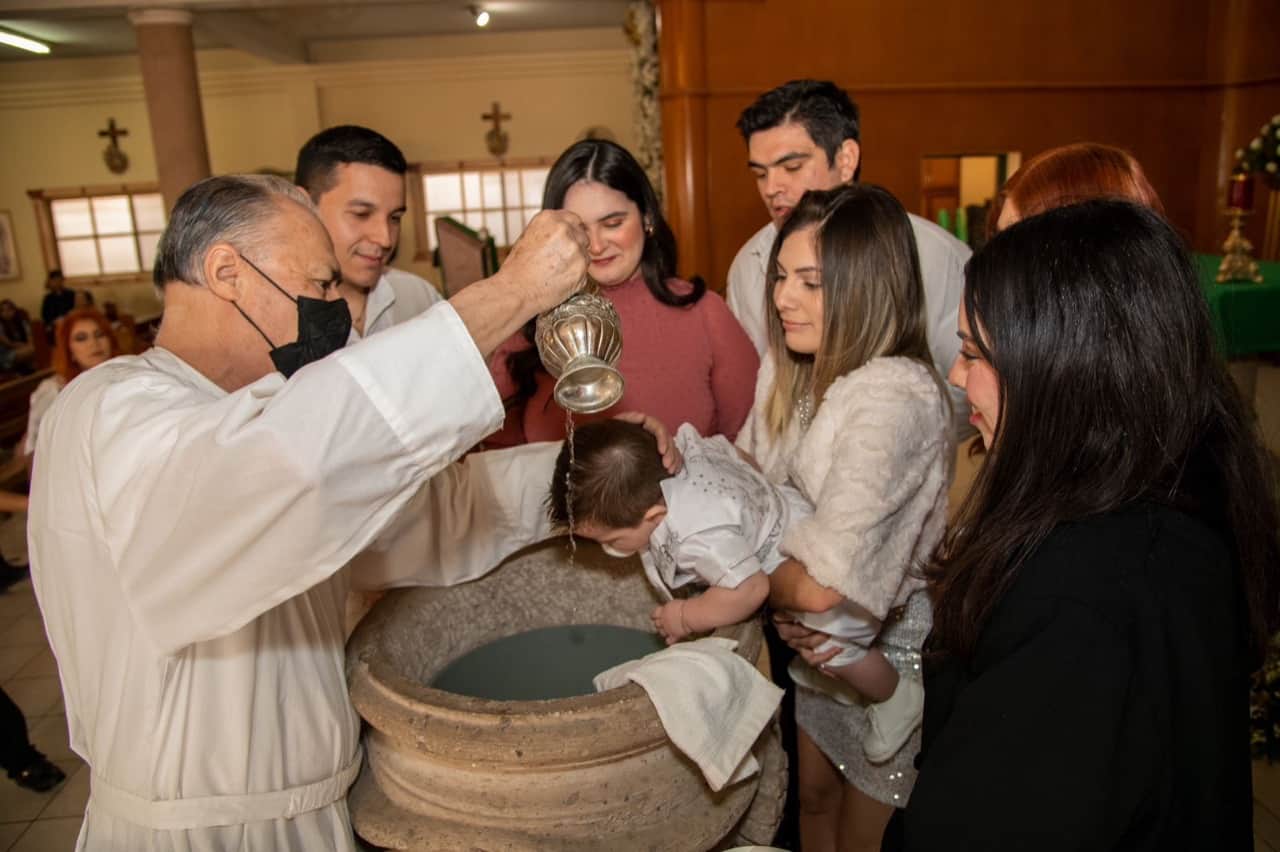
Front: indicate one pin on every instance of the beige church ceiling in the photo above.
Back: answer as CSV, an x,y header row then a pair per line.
x,y
288,30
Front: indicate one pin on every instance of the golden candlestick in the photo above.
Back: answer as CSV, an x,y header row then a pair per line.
x,y
1237,253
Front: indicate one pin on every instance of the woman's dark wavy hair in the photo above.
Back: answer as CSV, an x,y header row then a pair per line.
x,y
609,163
1111,392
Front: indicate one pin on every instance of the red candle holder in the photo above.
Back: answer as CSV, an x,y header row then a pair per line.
x,y
1240,191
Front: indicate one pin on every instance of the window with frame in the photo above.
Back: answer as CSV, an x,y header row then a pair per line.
x,y
496,198
100,234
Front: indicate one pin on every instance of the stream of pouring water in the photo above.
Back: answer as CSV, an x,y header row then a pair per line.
x,y
568,485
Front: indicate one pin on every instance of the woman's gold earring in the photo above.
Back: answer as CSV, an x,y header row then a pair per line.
x,y
648,229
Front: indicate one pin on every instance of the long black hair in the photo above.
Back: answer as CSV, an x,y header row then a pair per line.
x,y
608,163
1111,392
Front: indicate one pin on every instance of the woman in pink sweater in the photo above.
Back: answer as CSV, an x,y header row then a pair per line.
x,y
684,358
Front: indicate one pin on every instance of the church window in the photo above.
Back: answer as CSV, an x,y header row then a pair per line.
x,y
497,199
100,234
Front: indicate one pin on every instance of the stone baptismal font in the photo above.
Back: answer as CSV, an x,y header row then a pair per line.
x,y
445,771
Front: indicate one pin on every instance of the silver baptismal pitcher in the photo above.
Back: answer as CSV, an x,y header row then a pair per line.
x,y
579,342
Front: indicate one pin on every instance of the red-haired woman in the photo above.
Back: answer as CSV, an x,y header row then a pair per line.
x,y
1071,174
82,341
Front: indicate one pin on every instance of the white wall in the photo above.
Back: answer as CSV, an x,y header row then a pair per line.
x,y
426,94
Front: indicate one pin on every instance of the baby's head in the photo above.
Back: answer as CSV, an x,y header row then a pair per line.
x,y
613,494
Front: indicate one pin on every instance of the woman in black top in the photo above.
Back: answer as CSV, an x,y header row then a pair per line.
x,y
1110,581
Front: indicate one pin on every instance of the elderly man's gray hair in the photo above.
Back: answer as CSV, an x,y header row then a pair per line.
x,y
225,208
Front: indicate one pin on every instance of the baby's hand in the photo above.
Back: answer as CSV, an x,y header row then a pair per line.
x,y
668,620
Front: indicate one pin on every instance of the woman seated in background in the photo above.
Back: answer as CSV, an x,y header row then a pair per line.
x,y
685,358
82,340
1110,582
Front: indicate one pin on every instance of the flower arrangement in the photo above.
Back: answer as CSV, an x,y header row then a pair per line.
x,y
1263,153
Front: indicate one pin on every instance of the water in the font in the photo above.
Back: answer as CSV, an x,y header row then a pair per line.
x,y
547,663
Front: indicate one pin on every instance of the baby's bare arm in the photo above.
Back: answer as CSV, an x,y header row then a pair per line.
x,y
718,607
713,608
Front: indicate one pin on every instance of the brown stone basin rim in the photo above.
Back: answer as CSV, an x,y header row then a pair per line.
x,y
454,773
475,729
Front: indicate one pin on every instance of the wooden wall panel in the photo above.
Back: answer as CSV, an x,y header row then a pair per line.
x,y
760,43
1249,43
684,130
1167,79
1165,130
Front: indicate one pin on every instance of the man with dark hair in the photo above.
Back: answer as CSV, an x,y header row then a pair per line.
x,y
355,177
199,512
804,135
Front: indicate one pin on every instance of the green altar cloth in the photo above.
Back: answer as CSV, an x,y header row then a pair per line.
x,y
1246,316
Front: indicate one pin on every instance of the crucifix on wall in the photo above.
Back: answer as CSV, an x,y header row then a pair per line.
x,y
496,138
115,157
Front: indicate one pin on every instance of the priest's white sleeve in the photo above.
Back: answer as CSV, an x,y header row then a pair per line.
x,y
464,521
215,509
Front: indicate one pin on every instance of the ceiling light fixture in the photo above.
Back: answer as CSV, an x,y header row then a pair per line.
x,y
481,16
23,43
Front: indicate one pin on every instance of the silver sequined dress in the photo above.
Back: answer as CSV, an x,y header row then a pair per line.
x,y
837,729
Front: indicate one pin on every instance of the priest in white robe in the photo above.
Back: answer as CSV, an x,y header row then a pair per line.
x,y
192,511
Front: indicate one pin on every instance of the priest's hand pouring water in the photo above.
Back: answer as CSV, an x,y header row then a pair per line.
x,y
550,258
547,265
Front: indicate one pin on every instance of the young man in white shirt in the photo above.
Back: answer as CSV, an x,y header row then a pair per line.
x,y
805,135
355,176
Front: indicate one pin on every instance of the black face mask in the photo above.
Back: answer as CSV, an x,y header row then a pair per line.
x,y
323,327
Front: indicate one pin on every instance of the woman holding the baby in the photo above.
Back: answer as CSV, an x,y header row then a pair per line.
x,y
850,411
850,432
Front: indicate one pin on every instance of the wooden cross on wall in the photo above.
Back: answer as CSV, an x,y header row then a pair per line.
x,y
115,132
116,159
496,138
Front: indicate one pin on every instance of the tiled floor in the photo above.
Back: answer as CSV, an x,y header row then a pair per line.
x,y
37,822
50,822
